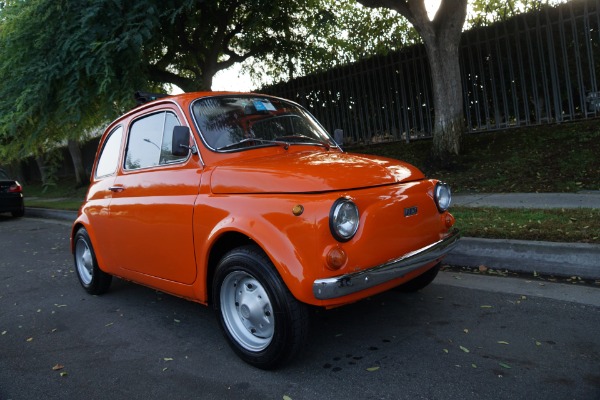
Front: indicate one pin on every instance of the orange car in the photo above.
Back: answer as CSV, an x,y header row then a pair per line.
x,y
245,202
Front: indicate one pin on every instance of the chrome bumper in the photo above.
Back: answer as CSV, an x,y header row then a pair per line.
x,y
331,288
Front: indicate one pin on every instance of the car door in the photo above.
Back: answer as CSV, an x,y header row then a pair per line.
x,y
153,201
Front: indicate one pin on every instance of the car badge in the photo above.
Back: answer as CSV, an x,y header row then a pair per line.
x,y
410,211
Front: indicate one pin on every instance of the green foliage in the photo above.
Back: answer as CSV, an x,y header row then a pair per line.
x,y
485,12
330,33
68,65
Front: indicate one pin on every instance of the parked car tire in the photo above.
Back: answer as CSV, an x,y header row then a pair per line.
x,y
19,213
263,323
420,281
91,277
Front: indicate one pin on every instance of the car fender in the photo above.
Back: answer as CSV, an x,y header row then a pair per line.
x,y
291,247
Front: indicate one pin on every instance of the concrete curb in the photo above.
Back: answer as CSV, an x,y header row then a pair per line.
x,y
547,258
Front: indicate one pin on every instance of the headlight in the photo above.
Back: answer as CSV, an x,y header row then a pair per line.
x,y
343,219
442,196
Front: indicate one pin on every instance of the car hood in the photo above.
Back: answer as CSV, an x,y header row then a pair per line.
x,y
310,172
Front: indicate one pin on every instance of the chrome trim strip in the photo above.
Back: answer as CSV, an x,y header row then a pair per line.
x,y
331,288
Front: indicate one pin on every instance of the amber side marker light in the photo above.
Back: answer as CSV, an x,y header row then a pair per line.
x,y
298,210
336,258
448,220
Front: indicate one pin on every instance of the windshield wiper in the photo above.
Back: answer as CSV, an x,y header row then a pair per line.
x,y
233,145
309,140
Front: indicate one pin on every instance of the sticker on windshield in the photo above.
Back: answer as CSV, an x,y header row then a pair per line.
x,y
263,105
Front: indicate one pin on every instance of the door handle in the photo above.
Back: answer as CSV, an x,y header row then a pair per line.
x,y
116,189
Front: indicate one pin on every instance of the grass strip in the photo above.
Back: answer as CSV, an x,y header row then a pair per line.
x,y
556,225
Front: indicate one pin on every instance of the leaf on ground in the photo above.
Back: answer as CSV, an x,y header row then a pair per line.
x,y
4,333
30,339
538,343
286,397
446,351
63,374
464,349
474,365
485,306
465,330
371,369
504,365
502,342
168,359
57,367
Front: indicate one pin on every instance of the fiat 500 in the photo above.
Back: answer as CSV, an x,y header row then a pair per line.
x,y
245,203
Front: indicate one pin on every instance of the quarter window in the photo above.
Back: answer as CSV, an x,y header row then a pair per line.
x,y
150,141
109,158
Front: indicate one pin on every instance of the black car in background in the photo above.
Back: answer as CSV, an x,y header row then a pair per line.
x,y
11,196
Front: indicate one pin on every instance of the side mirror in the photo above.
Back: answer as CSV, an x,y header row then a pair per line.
x,y
338,136
181,141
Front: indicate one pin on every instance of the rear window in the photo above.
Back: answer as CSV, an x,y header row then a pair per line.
x,y
109,158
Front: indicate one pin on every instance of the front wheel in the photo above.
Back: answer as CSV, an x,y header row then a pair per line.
x,y
263,323
91,277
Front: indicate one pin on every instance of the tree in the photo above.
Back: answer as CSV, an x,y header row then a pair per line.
x,y
69,65
441,37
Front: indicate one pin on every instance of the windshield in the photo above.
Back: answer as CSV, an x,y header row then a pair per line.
x,y
229,123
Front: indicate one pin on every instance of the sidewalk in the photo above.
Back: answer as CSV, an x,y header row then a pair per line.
x,y
545,258
584,199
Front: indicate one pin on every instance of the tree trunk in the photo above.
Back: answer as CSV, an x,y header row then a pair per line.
x,y
43,168
75,152
447,100
441,37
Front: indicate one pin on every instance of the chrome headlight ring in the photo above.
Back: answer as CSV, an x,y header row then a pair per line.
x,y
344,219
442,196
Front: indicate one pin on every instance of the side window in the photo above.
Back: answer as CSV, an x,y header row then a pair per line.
x,y
149,142
109,157
166,156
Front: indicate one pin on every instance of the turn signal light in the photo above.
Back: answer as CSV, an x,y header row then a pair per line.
x,y
336,258
448,220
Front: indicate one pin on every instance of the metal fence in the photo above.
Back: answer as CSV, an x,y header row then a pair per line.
x,y
535,68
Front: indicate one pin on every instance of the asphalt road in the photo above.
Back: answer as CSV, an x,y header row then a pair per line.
x,y
463,337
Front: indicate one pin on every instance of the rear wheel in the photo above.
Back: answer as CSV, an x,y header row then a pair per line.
x,y
91,277
420,281
19,213
263,323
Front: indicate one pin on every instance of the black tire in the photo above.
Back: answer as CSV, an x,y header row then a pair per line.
x,y
263,323
420,281
91,277
19,213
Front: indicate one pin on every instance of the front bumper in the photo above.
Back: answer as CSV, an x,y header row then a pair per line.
x,y
331,288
